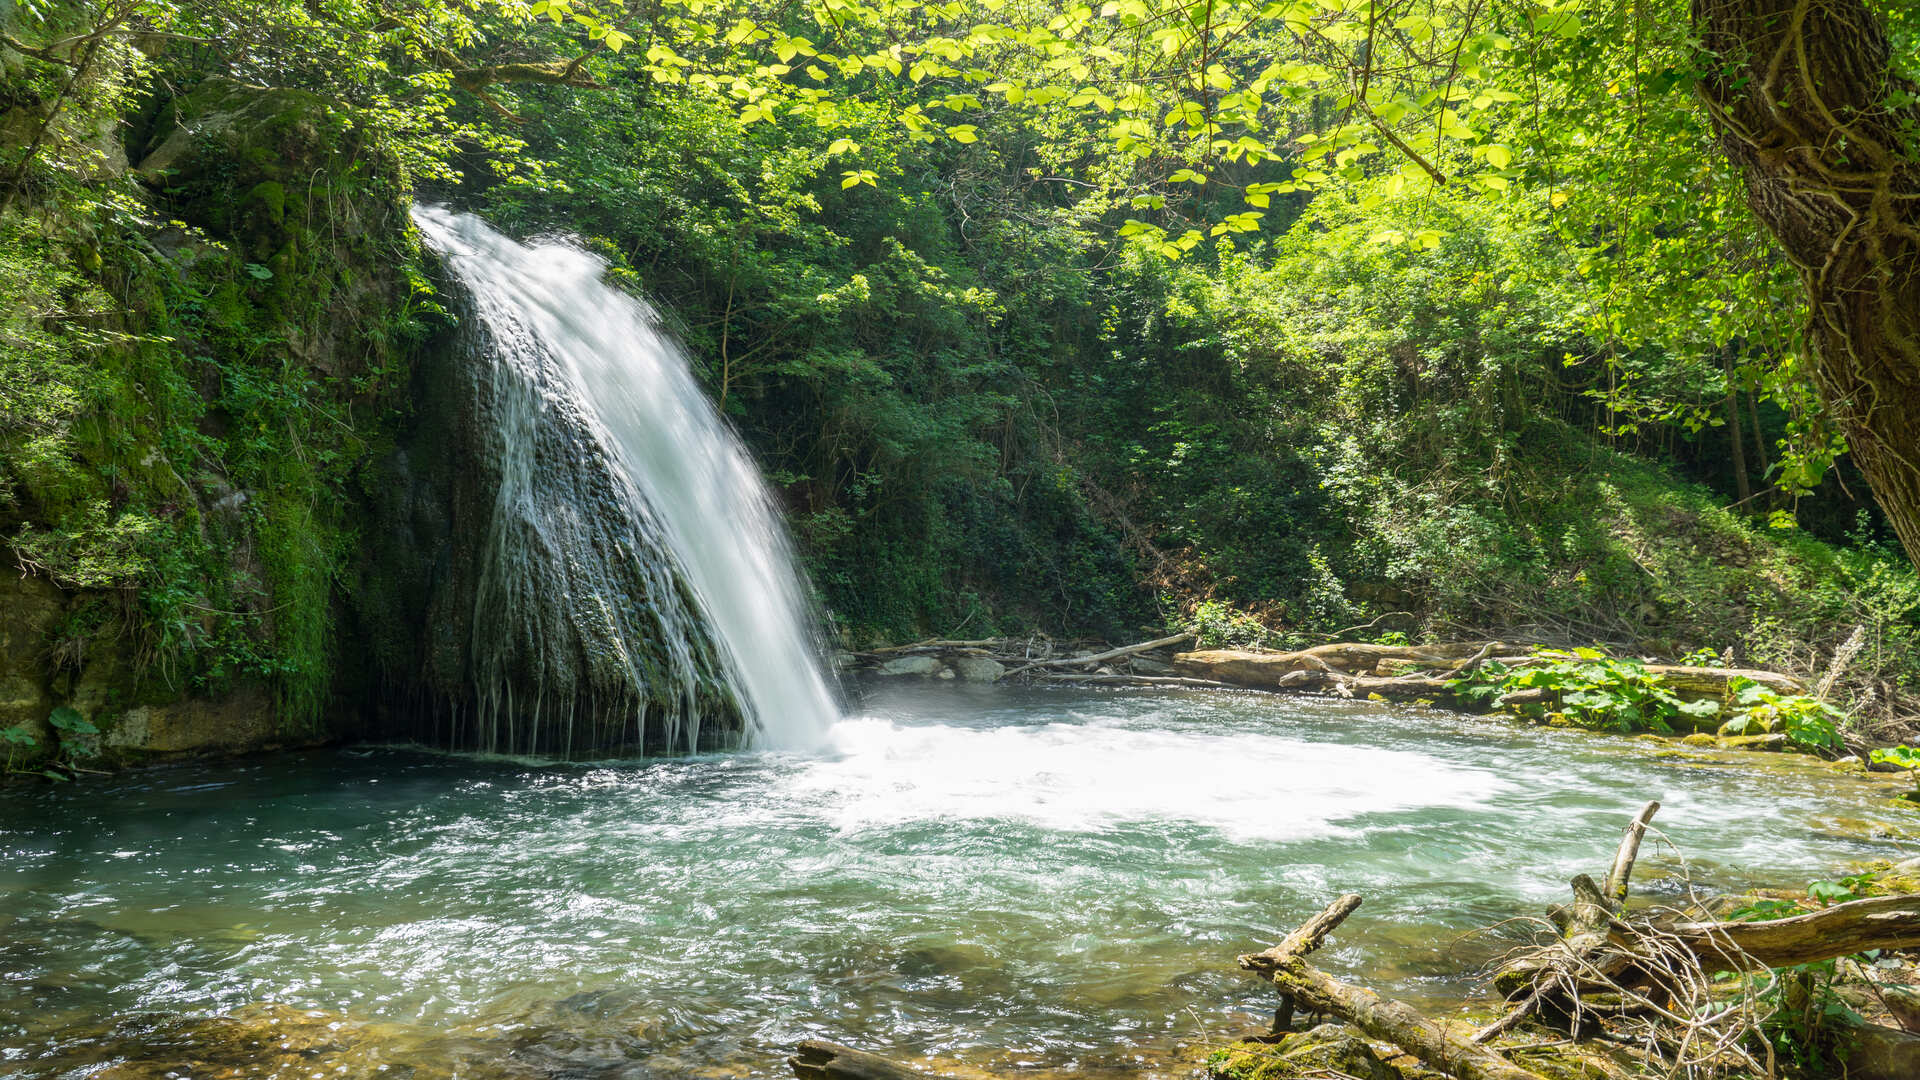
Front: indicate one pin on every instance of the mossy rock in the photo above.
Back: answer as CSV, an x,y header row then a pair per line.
x,y
254,162
271,1039
1327,1049
1754,742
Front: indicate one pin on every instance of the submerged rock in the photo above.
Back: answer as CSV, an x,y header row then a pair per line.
x,y
272,1039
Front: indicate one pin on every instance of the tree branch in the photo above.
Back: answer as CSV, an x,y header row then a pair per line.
x,y
552,73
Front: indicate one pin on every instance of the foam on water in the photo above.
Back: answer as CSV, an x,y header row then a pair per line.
x,y
1088,776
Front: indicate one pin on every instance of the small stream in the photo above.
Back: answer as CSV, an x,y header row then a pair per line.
x,y
995,875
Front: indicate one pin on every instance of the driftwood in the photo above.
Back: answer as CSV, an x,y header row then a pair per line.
x,y
1881,922
817,1059
1382,1018
1036,658
1102,657
1657,975
1629,850
1584,926
940,645
1265,669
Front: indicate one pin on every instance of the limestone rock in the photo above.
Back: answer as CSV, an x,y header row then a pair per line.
x,y
978,668
923,666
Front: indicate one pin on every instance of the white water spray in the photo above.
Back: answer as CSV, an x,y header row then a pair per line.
x,y
593,355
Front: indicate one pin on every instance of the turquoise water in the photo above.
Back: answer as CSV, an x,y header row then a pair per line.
x,y
993,875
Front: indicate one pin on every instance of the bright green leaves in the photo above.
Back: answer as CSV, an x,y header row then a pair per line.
x,y
1261,195
1237,223
1900,757
1417,239
855,177
1590,688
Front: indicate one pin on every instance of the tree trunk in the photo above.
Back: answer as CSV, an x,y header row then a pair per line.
x,y
1806,103
1737,443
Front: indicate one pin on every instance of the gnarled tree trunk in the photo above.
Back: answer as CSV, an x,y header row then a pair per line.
x,y
1806,102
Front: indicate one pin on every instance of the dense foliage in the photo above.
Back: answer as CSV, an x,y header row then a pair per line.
x,y
1040,318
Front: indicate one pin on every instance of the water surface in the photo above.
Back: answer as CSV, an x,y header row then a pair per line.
x,y
1000,876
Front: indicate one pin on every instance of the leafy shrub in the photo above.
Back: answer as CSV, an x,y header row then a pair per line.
x,y
1589,688
1806,721
1606,693
1905,757
1218,625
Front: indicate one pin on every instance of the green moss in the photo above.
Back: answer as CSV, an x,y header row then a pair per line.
x,y
270,198
198,458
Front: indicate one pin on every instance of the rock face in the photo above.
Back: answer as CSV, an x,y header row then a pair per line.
x,y
488,495
182,521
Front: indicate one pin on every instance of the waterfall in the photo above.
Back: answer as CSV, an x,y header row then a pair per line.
x,y
632,562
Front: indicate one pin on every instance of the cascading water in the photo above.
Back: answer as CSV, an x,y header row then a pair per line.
x,y
632,563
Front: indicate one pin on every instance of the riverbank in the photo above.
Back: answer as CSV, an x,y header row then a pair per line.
x,y
1698,704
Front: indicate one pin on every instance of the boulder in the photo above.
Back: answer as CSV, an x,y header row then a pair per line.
x,y
1883,1053
978,669
923,666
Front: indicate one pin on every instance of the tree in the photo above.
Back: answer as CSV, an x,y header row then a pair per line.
x,y
1182,121
1808,102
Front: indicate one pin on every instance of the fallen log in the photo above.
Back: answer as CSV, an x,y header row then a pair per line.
x,y
1102,657
1380,1017
1585,927
1350,658
937,644
1881,922
1347,668
1393,688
